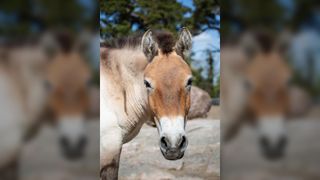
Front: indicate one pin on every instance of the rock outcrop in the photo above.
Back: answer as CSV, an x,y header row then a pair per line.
x,y
200,103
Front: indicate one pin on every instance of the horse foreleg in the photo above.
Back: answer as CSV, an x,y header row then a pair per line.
x,y
110,170
110,150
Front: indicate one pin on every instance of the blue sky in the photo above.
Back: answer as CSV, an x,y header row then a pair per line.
x,y
187,3
207,40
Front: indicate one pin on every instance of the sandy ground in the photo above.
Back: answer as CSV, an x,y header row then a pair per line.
x,y
214,112
142,159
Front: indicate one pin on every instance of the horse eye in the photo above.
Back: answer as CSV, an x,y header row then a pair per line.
x,y
189,82
147,84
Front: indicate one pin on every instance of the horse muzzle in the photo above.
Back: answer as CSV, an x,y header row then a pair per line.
x,y
173,140
173,152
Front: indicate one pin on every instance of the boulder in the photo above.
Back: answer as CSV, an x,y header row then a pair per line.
x,y
200,103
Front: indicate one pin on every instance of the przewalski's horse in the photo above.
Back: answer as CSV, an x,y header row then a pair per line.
x,y
142,79
261,93
67,80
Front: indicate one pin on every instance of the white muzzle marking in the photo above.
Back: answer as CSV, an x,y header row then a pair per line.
x,y
172,128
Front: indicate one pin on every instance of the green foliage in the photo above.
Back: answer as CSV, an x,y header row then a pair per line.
x,y
124,15
120,17
204,16
118,21
216,89
207,82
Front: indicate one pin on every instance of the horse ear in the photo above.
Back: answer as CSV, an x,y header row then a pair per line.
x,y
184,43
149,45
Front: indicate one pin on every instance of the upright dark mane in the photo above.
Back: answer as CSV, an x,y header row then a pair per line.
x,y
132,41
165,41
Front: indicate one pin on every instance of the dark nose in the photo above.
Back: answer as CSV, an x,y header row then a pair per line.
x,y
179,145
73,150
273,150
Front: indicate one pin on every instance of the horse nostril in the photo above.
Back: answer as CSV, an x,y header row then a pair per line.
x,y
183,142
164,142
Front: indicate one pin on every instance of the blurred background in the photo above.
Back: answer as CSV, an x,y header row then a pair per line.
x,y
141,158
49,89
270,89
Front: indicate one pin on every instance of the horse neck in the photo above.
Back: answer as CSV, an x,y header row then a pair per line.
x,y
134,92
137,107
